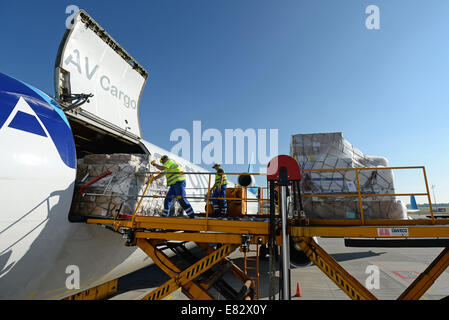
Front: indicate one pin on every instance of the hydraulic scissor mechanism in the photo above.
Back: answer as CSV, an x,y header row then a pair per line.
x,y
357,291
195,280
354,289
202,274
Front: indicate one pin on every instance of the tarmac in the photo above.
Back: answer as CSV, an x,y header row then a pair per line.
x,y
397,269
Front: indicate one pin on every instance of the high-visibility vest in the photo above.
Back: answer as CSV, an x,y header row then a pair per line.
x,y
173,172
218,178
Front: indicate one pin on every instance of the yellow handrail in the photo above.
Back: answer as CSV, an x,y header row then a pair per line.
x,y
207,201
428,194
362,220
140,201
360,195
261,199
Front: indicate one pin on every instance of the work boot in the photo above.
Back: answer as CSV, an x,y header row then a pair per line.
x,y
190,213
164,214
223,213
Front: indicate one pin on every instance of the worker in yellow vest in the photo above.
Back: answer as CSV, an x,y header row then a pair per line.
x,y
177,183
219,191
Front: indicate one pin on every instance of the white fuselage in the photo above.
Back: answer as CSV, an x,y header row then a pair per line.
x,y
38,243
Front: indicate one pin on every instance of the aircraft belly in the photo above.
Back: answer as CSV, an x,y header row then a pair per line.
x,y
44,272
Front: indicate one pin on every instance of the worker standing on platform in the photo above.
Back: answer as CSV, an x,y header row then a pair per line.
x,y
219,191
177,183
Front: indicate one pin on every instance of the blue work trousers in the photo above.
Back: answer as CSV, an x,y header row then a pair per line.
x,y
220,193
178,189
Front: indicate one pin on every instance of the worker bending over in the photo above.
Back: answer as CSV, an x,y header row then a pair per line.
x,y
177,183
219,191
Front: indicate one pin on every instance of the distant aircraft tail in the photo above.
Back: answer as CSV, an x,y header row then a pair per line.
x,y
251,162
413,205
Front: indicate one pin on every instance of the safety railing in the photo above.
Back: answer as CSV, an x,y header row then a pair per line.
x,y
151,179
361,195
261,200
208,198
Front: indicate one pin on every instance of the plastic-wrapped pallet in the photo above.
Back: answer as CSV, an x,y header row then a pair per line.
x,y
117,193
332,151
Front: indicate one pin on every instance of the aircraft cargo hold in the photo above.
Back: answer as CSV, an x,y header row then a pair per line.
x,y
124,177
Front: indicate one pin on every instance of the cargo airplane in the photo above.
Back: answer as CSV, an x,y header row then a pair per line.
x,y
95,110
42,138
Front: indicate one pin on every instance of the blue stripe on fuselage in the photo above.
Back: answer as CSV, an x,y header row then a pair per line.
x,y
8,102
51,117
27,122
49,101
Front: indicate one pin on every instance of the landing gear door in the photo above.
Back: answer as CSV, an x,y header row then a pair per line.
x,y
90,62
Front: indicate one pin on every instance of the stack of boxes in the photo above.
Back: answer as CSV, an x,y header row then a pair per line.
x,y
332,151
116,194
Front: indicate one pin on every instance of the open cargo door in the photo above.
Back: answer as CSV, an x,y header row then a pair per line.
x,y
89,62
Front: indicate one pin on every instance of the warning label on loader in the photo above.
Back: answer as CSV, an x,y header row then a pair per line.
x,y
392,232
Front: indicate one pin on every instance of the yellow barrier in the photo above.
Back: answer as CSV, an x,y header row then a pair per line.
x,y
260,198
360,195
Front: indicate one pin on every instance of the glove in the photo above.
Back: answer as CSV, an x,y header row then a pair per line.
x,y
153,162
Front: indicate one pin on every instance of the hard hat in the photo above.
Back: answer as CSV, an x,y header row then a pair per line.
x,y
163,157
216,165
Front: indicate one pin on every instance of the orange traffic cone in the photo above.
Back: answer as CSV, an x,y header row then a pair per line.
x,y
298,292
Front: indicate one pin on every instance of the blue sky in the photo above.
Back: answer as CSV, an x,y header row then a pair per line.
x,y
297,66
